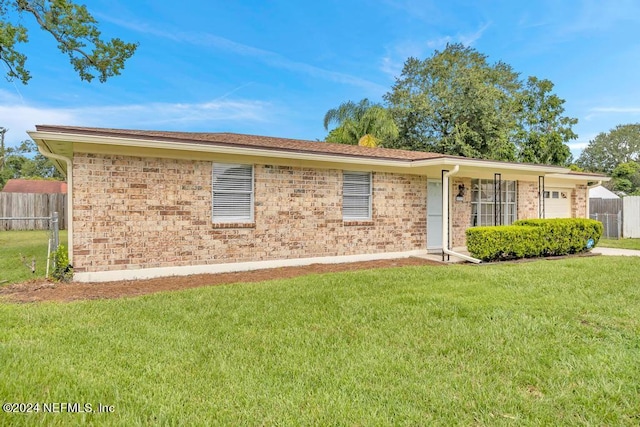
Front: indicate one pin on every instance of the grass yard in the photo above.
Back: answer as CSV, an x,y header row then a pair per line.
x,y
620,243
526,344
14,245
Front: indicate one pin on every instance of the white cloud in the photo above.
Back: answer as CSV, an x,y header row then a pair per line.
x,y
268,57
428,12
578,145
470,39
467,39
175,114
631,110
594,16
559,22
393,61
391,67
19,116
600,111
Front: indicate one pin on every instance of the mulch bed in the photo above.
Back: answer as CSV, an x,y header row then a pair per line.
x,y
43,290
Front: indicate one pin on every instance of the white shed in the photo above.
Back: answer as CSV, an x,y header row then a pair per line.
x,y
601,192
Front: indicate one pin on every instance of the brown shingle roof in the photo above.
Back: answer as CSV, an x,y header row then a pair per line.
x,y
249,141
34,186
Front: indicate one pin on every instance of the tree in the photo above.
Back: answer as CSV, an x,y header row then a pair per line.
x,y
543,131
365,123
456,102
609,149
73,28
25,161
626,177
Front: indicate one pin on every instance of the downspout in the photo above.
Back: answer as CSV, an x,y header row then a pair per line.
x,y
589,187
445,218
69,196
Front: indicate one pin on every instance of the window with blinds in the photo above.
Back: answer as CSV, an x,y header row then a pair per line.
x,y
356,195
232,193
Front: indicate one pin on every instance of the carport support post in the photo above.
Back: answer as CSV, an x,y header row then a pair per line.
x,y
445,220
541,213
497,199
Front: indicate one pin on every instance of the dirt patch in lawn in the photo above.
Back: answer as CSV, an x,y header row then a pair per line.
x,y
42,290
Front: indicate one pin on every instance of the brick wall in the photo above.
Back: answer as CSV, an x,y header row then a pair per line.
x,y
579,197
460,212
527,200
133,212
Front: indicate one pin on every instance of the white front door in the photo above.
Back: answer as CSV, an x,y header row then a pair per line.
x,y
434,215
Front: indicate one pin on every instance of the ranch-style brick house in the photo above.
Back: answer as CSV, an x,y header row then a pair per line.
x,y
148,203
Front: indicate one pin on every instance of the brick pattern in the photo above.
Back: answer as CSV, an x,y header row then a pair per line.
x,y
460,212
132,212
528,200
579,197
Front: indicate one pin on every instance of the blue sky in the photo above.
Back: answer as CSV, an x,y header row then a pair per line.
x,y
275,67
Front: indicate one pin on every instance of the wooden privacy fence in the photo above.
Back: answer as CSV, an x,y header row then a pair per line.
x,y
31,205
620,217
609,213
631,222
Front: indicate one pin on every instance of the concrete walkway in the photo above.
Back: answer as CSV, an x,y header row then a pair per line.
x,y
615,252
596,250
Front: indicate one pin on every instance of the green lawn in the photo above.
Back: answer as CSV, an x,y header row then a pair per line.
x,y
526,344
16,245
621,243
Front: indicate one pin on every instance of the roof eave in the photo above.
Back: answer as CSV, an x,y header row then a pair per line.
x,y
491,164
215,148
578,177
44,136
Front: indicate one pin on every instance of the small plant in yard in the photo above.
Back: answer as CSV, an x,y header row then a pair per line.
x,y
18,250
30,265
62,270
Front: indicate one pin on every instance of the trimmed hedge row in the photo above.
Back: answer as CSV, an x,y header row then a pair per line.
x,y
533,238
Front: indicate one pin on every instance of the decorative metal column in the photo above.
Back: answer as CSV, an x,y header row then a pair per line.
x,y
541,213
497,199
446,220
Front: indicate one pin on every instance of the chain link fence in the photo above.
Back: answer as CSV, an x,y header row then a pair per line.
x,y
612,223
53,234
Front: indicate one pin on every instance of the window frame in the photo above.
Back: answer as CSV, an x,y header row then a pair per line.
x,y
486,186
226,219
347,194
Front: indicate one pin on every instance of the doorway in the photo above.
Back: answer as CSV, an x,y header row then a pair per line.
x,y
434,215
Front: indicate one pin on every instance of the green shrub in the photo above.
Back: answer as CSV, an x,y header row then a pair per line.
x,y
566,235
62,270
504,242
533,238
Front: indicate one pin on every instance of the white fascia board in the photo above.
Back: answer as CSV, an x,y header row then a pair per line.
x,y
522,167
493,165
220,149
575,177
284,154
